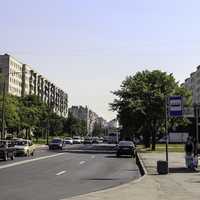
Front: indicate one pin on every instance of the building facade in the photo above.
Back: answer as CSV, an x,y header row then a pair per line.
x,y
21,80
84,113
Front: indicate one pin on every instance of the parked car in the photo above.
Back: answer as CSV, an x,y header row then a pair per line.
x,y
87,140
95,140
56,143
7,150
68,140
24,147
126,148
77,140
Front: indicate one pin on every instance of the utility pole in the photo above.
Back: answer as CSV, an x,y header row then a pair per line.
x,y
166,128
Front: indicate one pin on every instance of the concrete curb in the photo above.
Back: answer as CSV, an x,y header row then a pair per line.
x,y
140,164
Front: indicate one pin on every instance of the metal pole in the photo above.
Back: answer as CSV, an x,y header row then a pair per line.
x,y
166,129
3,111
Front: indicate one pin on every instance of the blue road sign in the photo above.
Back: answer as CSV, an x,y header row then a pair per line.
x,y
175,106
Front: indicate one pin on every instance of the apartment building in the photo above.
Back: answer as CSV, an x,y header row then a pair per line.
x,y
21,80
193,84
84,113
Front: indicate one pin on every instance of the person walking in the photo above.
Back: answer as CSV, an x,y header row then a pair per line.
x,y
189,150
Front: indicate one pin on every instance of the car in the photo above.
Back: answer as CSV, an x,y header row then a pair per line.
x,y
87,140
68,140
56,143
126,148
95,140
24,147
7,150
77,140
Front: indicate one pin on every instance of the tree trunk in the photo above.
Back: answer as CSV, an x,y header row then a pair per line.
x,y
153,147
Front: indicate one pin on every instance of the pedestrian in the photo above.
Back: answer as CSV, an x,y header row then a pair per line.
x,y
189,150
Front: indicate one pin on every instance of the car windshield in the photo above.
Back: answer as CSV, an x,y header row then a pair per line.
x,y
126,143
56,141
68,138
21,143
77,138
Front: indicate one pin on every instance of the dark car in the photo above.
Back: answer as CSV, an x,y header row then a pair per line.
x,y
87,140
56,143
7,150
126,148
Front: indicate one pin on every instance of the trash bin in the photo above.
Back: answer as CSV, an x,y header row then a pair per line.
x,y
162,167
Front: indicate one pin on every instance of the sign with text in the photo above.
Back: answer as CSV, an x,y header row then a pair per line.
x,y
175,106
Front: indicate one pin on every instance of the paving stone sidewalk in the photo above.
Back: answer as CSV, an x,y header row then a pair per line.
x,y
179,184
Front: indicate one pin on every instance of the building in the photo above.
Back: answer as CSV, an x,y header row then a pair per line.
x,y
21,80
84,113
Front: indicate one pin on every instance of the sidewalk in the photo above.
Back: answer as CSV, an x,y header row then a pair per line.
x,y
179,184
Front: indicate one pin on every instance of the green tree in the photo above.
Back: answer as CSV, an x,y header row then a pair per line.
x,y
140,103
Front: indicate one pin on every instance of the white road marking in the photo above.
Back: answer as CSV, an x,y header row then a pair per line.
x,y
28,161
60,173
82,162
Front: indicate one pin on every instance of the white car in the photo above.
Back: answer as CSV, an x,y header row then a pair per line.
x,y
68,140
76,140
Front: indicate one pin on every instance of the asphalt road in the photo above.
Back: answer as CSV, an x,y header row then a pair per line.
x,y
54,175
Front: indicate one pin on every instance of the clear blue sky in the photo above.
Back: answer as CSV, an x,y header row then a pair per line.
x,y
88,47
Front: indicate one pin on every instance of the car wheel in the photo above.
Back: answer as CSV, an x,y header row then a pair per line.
x,y
27,153
5,158
118,155
13,156
32,154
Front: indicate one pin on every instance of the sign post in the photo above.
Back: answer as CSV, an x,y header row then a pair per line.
x,y
174,108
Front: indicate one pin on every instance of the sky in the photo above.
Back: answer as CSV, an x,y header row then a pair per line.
x,y
88,47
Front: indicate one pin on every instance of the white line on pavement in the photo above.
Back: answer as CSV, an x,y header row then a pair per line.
x,y
60,173
28,161
82,162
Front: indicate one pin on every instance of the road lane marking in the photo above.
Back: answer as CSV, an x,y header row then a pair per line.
x,y
28,161
60,173
82,162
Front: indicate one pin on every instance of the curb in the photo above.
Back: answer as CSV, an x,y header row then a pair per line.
x,y
140,164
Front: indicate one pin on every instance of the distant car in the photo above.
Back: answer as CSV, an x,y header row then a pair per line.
x,y
87,140
68,140
56,143
126,148
24,147
7,150
77,140
95,140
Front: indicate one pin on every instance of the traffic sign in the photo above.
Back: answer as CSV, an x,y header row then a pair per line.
x,y
175,106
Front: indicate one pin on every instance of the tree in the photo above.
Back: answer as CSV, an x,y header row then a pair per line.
x,y
140,103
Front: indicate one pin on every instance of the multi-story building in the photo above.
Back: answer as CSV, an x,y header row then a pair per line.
x,y
84,113
193,84
21,80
